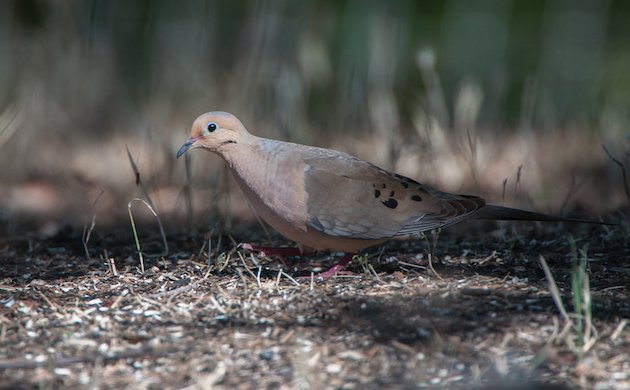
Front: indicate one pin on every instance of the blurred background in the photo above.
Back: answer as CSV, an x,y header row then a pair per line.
x,y
512,100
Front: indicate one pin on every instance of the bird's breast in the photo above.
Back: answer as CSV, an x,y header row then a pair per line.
x,y
275,188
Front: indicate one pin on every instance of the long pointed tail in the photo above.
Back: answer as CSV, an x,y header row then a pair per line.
x,y
494,212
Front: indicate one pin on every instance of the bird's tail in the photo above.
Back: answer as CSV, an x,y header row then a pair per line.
x,y
494,212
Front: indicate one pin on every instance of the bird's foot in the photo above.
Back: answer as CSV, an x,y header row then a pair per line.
x,y
264,251
338,269
279,252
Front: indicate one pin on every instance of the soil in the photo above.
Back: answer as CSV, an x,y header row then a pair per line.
x,y
479,314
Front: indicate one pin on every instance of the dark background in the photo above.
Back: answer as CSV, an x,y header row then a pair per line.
x,y
456,93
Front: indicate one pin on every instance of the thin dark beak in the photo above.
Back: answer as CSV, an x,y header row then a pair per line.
x,y
187,145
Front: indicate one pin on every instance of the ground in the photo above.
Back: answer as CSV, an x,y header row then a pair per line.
x,y
481,314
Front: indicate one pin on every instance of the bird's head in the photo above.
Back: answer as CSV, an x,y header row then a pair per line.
x,y
214,131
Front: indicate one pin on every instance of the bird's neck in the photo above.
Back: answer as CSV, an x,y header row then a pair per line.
x,y
265,171
247,161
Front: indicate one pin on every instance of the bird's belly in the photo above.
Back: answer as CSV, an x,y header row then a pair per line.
x,y
291,222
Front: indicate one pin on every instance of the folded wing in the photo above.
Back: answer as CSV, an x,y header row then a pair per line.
x,y
348,197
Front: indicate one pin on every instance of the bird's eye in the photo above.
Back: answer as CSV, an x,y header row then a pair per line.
x,y
211,127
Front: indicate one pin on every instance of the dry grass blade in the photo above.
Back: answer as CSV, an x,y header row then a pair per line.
x,y
472,159
135,232
9,122
187,191
260,222
149,204
249,271
617,332
87,232
623,172
111,264
136,172
85,239
433,269
573,189
135,236
289,277
553,289
517,185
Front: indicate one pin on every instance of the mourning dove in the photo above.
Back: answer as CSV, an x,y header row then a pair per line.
x,y
328,200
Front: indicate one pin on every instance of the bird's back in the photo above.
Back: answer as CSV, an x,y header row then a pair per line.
x,y
339,195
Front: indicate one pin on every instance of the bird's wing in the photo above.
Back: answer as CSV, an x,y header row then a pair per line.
x,y
348,197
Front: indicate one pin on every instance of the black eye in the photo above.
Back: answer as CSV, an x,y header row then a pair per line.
x,y
211,127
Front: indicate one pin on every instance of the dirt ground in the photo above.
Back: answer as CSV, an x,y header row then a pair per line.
x,y
480,315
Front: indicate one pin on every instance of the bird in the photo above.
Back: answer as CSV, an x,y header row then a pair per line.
x,y
325,199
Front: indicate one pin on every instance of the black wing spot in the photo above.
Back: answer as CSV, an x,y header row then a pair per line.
x,y
391,194
377,193
416,198
391,203
404,184
383,185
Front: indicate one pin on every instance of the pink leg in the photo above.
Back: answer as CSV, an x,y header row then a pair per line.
x,y
337,269
264,251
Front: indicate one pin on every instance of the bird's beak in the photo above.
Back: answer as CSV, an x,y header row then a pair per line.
x,y
187,145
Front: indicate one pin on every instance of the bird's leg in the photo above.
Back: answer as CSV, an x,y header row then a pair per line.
x,y
337,269
280,252
264,251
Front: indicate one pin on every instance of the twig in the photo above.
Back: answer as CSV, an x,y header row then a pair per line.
x,y
48,301
623,172
245,285
111,263
433,269
517,185
249,271
258,275
412,265
203,246
573,189
228,257
289,277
